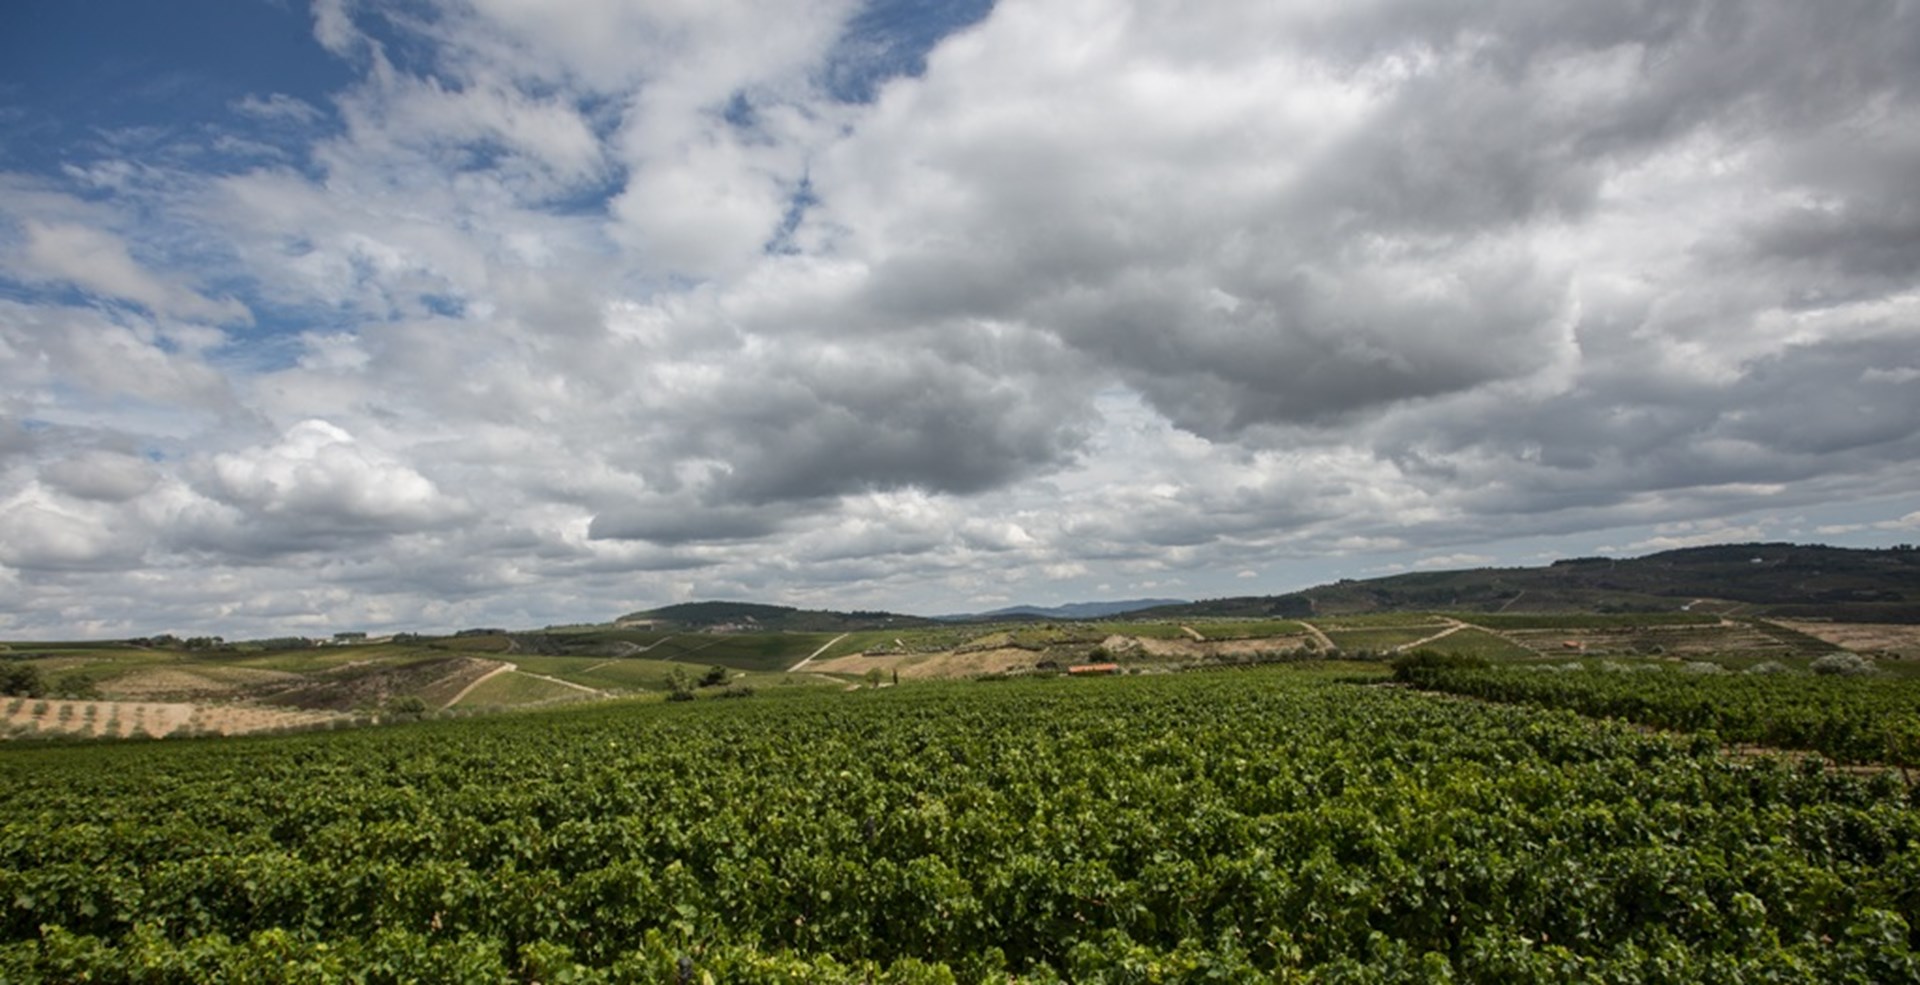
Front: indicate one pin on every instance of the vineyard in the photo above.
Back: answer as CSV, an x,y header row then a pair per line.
x,y
1873,719
1234,826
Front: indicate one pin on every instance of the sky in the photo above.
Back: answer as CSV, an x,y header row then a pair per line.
x,y
427,314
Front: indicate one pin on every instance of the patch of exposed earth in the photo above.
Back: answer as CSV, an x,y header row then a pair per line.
x,y
1862,637
923,666
974,658
27,717
1190,649
177,684
435,680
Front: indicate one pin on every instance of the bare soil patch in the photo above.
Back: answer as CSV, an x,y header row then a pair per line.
x,y
924,666
435,680
150,719
165,684
1863,637
1187,649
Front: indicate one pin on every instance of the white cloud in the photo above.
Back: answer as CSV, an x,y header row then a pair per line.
x,y
56,351
278,106
1110,295
1461,560
41,530
97,261
318,474
101,475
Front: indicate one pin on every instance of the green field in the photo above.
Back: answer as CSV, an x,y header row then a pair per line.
x,y
1251,825
512,689
1245,629
1144,630
1379,620
1584,620
1480,643
742,651
1863,719
1378,640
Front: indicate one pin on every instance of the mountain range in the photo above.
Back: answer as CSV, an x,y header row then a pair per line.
x,y
1807,581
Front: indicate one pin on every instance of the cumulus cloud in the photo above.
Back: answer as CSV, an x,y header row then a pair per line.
x,y
319,478
41,530
556,309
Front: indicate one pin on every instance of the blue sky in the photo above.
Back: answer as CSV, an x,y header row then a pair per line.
x,y
72,70
337,314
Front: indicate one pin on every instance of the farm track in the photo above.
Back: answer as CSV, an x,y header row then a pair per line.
x,y
504,667
596,692
818,652
1454,626
1326,642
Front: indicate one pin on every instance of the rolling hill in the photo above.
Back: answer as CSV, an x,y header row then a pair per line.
x,y
1803,581
757,617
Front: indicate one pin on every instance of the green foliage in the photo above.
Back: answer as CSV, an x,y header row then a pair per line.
x,y
1350,640
1587,620
1235,827
1422,665
411,704
21,679
1843,664
77,685
714,677
680,685
1246,629
1846,718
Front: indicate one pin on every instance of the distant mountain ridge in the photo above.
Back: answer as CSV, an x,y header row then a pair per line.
x,y
1809,581
1071,610
769,618
1806,581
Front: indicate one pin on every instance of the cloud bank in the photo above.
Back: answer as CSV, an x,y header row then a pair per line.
x,y
560,309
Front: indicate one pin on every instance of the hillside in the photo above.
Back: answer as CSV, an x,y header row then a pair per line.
x,y
1784,580
1072,610
753,616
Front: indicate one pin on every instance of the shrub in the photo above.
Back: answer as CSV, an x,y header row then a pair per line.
x,y
1769,667
1411,667
23,680
77,685
410,705
1849,664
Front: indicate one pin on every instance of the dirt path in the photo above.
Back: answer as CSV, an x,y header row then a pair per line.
x,y
1326,642
1190,631
555,680
818,652
1454,626
1503,634
476,682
